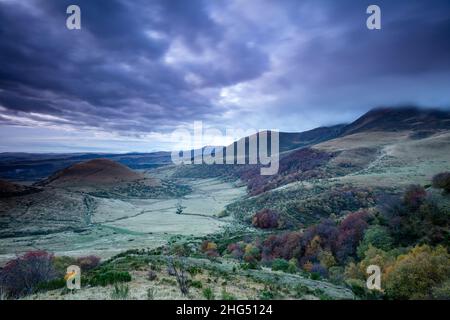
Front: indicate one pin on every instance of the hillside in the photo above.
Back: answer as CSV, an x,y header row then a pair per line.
x,y
400,119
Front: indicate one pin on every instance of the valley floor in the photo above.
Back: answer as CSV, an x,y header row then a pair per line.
x,y
118,225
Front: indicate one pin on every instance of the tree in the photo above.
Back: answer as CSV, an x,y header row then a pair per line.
x,y
179,209
351,232
415,274
179,271
266,219
377,236
210,248
251,253
414,196
327,259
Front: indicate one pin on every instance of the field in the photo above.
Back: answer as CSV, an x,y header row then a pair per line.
x,y
117,225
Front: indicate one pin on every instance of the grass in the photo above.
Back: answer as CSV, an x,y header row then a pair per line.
x,y
120,292
208,294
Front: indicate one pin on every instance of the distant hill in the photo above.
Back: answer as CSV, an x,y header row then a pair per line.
x,y
9,189
97,172
34,167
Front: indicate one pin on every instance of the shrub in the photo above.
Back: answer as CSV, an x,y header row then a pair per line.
x,y
315,276
22,275
151,293
280,265
151,275
208,294
319,269
109,277
293,266
266,295
357,286
301,290
61,263
51,285
88,263
442,181
227,296
120,292
196,284
209,248
194,270
326,259
336,275
251,254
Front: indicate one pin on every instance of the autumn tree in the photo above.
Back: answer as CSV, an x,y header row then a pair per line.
x,y
415,274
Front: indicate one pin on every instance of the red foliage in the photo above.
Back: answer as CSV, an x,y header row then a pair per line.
x,y
298,165
285,246
351,232
209,248
236,250
20,276
266,219
414,196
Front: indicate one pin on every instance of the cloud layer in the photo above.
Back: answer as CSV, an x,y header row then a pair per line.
x,y
139,69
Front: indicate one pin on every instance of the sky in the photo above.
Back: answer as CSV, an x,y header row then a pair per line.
x,y
138,70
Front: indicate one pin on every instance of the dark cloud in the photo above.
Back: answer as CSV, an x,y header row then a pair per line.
x,y
147,66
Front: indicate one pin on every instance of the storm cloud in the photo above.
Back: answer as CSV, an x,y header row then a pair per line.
x,y
139,69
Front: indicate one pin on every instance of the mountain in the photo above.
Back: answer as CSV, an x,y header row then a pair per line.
x,y
398,119
97,172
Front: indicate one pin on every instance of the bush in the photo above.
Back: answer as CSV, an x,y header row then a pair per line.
x,y
301,290
61,264
208,294
357,286
336,275
442,181
22,275
227,296
319,269
195,284
109,277
51,285
280,265
209,248
151,293
88,263
315,276
151,275
266,295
